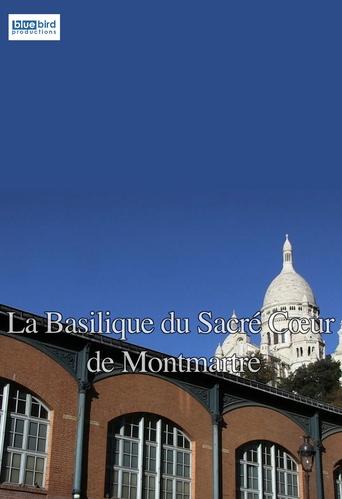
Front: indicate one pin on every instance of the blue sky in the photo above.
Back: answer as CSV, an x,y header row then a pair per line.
x,y
154,159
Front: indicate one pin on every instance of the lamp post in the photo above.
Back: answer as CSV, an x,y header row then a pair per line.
x,y
306,454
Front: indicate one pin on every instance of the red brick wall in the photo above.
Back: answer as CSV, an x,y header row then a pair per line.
x,y
124,394
257,423
51,383
331,457
130,393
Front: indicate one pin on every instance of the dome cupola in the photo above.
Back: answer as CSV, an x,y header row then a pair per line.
x,y
288,287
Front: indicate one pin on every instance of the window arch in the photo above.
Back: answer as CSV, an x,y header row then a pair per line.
x,y
24,425
266,471
148,457
338,482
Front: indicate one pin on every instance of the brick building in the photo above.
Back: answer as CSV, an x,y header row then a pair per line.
x,y
65,432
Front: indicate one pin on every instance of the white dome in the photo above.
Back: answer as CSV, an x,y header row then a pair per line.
x,y
288,287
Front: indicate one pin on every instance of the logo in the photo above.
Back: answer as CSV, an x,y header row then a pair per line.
x,y
24,27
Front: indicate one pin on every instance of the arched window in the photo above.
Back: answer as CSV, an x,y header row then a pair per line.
x,y
338,482
266,470
23,436
148,458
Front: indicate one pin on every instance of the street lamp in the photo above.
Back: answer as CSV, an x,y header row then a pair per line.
x,y
306,454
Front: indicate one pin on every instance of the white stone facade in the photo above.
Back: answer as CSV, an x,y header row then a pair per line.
x,y
337,355
289,293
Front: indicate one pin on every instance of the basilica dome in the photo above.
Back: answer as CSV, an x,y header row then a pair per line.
x,y
288,287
